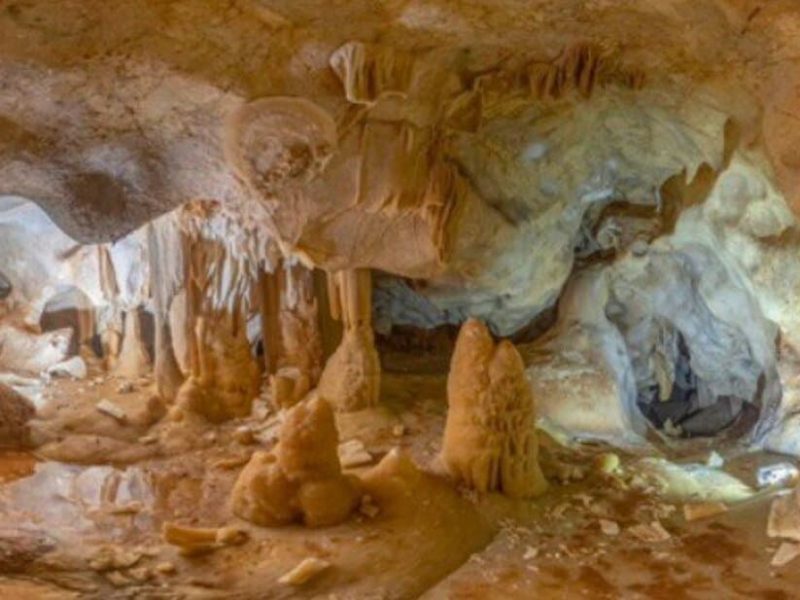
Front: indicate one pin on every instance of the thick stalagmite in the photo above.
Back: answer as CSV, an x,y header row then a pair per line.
x,y
224,378
301,479
351,378
490,440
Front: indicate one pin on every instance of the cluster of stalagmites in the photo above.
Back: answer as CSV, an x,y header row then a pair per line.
x,y
490,442
301,479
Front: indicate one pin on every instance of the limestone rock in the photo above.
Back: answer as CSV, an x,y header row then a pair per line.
x,y
300,480
305,571
198,540
490,440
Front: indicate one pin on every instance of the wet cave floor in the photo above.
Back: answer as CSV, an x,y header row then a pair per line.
x,y
82,518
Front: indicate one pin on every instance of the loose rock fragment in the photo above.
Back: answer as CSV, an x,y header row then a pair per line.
x,y
74,367
112,410
609,527
650,532
530,553
352,453
230,462
702,510
780,474
607,463
126,509
192,540
714,460
165,568
785,554
305,571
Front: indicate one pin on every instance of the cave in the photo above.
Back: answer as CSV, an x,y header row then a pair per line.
x,y
400,299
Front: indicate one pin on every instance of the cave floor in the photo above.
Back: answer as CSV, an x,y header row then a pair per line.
x,y
82,517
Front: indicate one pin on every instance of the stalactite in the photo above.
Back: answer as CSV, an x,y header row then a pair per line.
x,y
351,378
490,438
163,285
582,67
269,287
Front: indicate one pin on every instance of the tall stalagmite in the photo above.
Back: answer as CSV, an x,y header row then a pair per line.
x,y
224,379
490,440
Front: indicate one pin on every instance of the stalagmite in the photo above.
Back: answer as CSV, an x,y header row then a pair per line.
x,y
490,440
301,479
351,378
291,333
133,360
224,378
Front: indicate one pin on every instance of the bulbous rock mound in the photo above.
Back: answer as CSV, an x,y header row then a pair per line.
x,y
490,440
301,479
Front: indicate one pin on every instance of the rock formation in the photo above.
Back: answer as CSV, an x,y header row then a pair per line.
x,y
351,378
490,440
301,479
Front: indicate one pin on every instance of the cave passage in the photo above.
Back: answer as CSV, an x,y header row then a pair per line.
x,y
683,413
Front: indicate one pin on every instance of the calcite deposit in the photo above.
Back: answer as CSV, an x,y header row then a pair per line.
x,y
301,478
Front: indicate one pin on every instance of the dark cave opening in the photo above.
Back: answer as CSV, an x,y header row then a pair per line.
x,y
684,413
